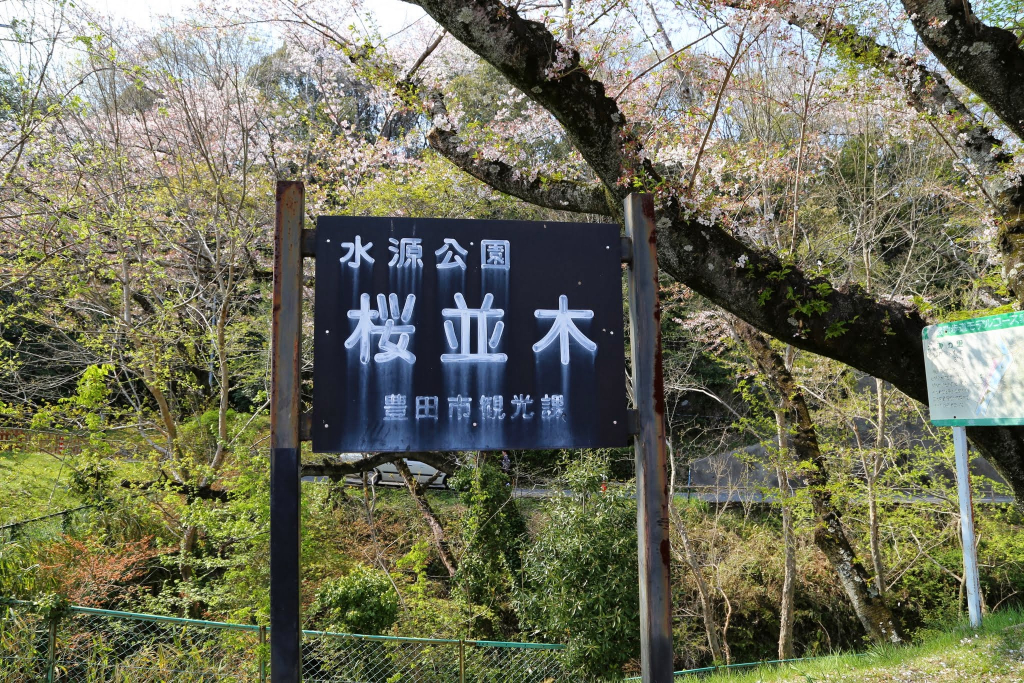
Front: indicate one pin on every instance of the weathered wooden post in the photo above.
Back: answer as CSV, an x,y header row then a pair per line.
x,y
286,344
650,442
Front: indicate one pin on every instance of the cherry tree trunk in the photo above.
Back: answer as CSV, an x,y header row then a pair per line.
x,y
788,597
436,530
829,534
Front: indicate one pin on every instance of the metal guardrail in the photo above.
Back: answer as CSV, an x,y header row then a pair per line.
x,y
87,645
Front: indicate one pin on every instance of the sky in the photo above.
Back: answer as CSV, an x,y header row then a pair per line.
x,y
391,15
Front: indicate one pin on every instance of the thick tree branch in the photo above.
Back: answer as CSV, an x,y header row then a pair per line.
x,y
336,470
881,338
551,75
561,195
191,492
985,58
540,190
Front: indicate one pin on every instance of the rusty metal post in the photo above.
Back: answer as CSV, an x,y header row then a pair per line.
x,y
286,344
650,443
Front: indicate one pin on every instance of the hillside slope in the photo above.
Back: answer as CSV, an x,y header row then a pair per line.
x,y
995,654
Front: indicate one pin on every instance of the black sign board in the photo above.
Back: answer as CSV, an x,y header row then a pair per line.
x,y
434,334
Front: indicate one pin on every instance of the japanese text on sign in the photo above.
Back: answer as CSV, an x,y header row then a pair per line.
x,y
974,371
428,338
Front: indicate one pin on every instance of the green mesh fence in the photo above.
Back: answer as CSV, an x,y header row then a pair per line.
x,y
512,662
338,658
48,527
94,645
24,645
85,645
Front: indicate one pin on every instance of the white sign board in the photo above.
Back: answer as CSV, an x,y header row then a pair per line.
x,y
975,371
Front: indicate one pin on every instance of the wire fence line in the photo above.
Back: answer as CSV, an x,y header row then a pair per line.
x,y
48,440
48,527
86,645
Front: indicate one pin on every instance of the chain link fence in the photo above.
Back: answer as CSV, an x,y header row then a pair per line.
x,y
85,645
48,527
48,441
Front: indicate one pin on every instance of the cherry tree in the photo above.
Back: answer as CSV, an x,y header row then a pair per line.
x,y
880,336
143,229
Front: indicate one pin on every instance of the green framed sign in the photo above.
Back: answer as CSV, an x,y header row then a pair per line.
x,y
975,371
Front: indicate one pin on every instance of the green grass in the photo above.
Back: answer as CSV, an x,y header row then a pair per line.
x,y
33,484
994,654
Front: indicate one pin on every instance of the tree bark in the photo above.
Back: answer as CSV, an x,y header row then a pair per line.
x,y
879,337
436,530
788,597
188,544
152,385
540,190
985,58
223,376
337,470
872,480
875,542
829,535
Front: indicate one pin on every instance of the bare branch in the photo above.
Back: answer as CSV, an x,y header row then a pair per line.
x,y
926,89
426,53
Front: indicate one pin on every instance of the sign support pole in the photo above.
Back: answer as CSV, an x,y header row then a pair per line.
x,y
963,485
650,444
285,487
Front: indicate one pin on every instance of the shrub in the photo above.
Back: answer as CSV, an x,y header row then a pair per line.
x,y
579,577
363,601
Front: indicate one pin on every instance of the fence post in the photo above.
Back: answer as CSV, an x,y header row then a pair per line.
x,y
51,647
462,661
263,654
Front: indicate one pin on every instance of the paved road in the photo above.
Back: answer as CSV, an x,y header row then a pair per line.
x,y
733,496
756,496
